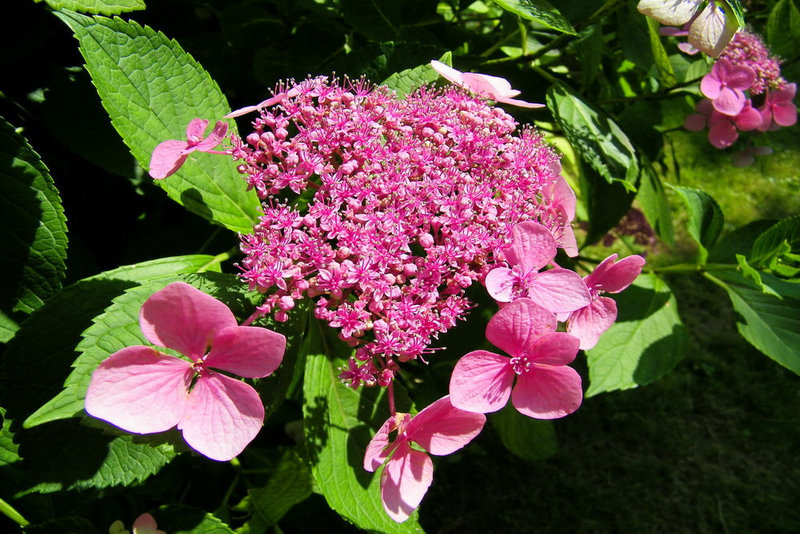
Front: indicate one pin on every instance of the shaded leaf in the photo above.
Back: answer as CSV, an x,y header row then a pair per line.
x,y
705,218
527,438
539,11
653,199
660,57
181,519
777,245
783,29
645,343
406,81
98,7
606,204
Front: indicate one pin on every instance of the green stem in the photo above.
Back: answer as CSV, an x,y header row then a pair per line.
x,y
12,514
216,260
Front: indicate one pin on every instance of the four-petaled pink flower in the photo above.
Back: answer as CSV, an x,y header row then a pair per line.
x,y
610,276
143,391
546,388
494,87
168,156
725,86
532,248
778,107
723,130
440,429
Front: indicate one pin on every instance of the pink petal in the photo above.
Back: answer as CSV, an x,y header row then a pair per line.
x,y
784,113
729,101
481,382
710,84
139,390
195,130
722,134
518,103
167,158
183,318
561,194
671,31
547,392
500,284
378,449
448,73
214,138
742,159
559,290
517,325
404,482
565,238
785,93
748,119
766,117
265,104
687,48
442,429
492,86
558,348
589,323
695,122
248,351
614,276
741,77
146,524
223,415
532,246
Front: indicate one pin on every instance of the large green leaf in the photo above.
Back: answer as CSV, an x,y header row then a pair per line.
x,y
539,11
34,365
98,7
337,424
653,199
645,343
406,81
594,136
151,89
116,328
777,248
529,439
769,323
606,203
660,57
783,29
705,218
33,230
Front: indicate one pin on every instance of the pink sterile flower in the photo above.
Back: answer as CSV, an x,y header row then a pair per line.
x,y
546,388
143,391
168,156
496,88
778,107
533,247
562,204
610,276
440,429
725,84
723,130
146,524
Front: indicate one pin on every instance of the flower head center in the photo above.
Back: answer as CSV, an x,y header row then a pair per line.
x,y
521,364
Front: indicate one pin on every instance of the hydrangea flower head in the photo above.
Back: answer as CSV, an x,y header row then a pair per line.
x,y
168,156
711,24
610,276
440,429
749,50
723,130
778,108
143,391
531,249
546,387
494,87
725,86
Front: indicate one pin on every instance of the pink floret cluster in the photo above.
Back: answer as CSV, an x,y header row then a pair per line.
x,y
384,210
744,92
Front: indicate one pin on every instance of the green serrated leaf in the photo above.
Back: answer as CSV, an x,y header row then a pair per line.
x,y
289,484
9,450
754,275
337,424
770,324
406,81
645,343
33,228
660,57
98,7
776,243
705,218
526,438
142,78
116,328
783,29
33,366
180,519
653,199
540,11
594,136
739,241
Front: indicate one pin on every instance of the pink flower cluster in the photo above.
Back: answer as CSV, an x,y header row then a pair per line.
x,y
743,71
384,210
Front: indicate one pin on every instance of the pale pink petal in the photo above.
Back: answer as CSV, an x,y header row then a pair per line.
x,y
761,150
443,429
710,84
146,524
196,130
729,101
589,323
500,284
547,392
565,238
404,482
183,318
448,73
559,290
223,415
742,159
561,195
532,246
139,390
481,382
492,86
784,113
248,351
558,348
514,327
265,104
167,158
687,48
713,29
748,119
378,449
722,133
766,117
669,12
695,122
214,138
614,276
518,103
671,31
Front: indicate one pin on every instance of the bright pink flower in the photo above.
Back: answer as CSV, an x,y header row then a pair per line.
x,y
748,49
440,429
146,524
610,276
532,248
144,391
168,156
498,89
546,388
561,203
723,130
725,86
778,107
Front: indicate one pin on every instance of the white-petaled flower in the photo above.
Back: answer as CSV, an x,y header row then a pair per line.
x,y
711,23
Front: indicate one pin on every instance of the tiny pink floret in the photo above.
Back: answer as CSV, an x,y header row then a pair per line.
x,y
144,391
440,429
146,524
169,155
493,87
